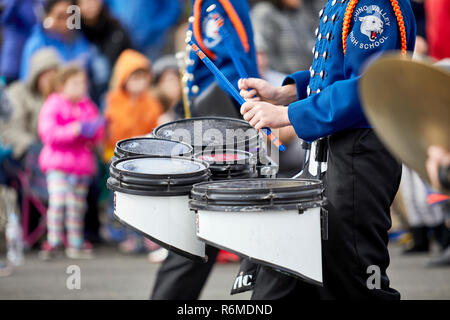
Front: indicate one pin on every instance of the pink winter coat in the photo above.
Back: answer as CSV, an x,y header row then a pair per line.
x,y
63,149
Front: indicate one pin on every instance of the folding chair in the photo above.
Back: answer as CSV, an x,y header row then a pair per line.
x,y
30,183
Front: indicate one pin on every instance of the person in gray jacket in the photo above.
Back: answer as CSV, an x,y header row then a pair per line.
x,y
27,98
288,26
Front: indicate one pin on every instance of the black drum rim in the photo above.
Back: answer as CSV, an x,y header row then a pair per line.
x,y
120,153
301,195
156,184
255,138
116,186
158,176
313,184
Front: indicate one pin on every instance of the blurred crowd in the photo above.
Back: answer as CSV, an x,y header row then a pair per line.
x,y
69,94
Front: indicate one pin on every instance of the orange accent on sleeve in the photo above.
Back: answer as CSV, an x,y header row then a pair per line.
x,y
398,14
237,23
197,31
401,24
347,20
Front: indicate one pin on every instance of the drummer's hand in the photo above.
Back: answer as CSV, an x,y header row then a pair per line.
x,y
265,115
260,90
437,157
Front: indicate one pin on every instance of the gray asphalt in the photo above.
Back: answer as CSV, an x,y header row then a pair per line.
x,y
115,276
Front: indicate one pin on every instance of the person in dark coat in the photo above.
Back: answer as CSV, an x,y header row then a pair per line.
x,y
18,18
147,22
109,38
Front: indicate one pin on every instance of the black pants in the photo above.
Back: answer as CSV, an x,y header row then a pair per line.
x,y
362,180
180,278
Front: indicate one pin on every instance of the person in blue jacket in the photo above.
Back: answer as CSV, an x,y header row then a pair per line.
x,y
18,19
54,32
180,278
147,22
203,30
362,177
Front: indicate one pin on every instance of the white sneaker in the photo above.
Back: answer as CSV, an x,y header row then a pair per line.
x,y
158,256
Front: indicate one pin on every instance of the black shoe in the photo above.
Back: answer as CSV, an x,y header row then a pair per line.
x,y
442,235
421,243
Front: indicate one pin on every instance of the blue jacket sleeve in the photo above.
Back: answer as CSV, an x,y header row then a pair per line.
x,y
31,46
337,107
9,10
301,81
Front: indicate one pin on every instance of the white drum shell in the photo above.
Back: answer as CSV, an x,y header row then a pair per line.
x,y
166,219
284,239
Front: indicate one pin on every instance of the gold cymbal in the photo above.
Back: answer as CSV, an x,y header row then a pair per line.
x,y
408,104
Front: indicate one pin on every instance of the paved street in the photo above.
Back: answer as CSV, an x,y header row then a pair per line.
x,y
114,276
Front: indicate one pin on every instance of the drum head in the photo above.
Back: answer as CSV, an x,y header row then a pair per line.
x,y
151,175
229,165
209,132
257,195
236,157
151,146
160,166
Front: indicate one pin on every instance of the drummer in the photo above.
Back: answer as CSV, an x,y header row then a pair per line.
x,y
362,176
178,277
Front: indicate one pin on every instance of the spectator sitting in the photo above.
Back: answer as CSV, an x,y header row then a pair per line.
x,y
18,19
54,32
109,39
69,126
27,98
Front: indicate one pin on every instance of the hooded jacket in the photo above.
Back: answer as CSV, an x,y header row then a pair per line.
x,y
127,118
22,129
64,149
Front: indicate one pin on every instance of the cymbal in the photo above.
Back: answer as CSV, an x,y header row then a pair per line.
x,y
408,104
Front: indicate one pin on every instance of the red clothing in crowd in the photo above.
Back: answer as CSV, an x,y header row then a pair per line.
x,y
438,28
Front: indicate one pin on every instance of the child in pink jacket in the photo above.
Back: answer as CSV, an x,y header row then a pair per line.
x,y
69,127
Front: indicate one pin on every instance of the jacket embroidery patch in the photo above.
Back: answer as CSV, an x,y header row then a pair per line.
x,y
371,23
211,36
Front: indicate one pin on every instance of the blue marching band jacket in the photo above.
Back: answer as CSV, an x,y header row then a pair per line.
x,y
328,99
203,30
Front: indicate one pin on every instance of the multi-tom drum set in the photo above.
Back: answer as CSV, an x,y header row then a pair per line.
x,y
210,181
